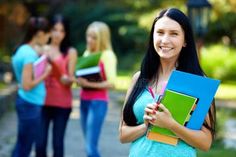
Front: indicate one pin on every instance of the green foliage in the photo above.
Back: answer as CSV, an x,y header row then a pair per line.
x,y
224,25
219,62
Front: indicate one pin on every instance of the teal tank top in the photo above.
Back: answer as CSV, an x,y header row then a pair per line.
x,y
144,147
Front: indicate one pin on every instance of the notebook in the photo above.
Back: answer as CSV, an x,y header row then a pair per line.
x,y
180,106
88,61
39,66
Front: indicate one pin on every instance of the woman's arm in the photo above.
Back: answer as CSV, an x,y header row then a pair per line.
x,y
98,85
27,76
200,139
72,62
131,133
72,59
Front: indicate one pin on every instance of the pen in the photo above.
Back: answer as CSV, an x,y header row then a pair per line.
x,y
153,96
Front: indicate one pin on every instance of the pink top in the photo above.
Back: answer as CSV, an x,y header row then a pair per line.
x,y
58,94
96,94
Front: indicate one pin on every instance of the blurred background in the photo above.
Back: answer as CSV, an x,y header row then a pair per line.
x,y
214,23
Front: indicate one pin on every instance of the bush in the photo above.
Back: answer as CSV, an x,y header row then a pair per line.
x,y
219,62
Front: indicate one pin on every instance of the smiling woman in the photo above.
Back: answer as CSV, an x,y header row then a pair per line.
x,y
168,38
171,46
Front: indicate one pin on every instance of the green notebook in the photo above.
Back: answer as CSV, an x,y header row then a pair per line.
x,y
180,105
88,61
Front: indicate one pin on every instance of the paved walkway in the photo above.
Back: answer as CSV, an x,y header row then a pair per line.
x,y
74,143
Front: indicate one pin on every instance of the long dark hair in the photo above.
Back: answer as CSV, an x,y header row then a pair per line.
x,y
187,62
33,26
66,43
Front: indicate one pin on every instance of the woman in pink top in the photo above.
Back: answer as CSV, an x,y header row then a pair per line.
x,y
94,95
58,101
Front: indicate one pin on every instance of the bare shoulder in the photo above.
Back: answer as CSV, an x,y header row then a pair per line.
x,y
72,52
136,76
134,79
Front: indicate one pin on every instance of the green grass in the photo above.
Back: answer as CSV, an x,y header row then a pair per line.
x,y
2,85
123,82
226,91
217,153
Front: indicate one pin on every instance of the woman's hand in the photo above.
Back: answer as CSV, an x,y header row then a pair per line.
x,y
48,70
65,79
162,117
149,114
82,81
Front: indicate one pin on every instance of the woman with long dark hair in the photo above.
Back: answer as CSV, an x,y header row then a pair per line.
x,y
31,91
171,46
58,101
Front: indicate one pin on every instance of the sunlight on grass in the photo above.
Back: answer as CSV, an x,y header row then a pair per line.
x,y
2,85
226,91
217,153
122,83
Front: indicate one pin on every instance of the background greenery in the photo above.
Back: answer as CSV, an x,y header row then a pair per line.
x,y
130,22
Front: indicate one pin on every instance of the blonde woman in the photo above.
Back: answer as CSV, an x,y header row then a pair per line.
x,y
94,95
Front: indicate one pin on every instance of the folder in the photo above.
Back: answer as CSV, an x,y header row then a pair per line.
x,y
200,87
39,66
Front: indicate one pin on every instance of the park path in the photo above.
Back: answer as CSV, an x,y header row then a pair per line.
x,y
109,142
74,142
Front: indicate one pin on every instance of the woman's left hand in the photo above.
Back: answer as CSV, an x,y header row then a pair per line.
x,y
163,117
65,79
82,81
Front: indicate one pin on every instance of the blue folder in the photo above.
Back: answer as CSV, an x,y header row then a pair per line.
x,y
203,88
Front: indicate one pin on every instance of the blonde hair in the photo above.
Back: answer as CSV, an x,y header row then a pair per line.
x,y
102,32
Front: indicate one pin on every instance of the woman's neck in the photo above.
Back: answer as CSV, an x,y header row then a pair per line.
x,y
166,68
55,46
34,46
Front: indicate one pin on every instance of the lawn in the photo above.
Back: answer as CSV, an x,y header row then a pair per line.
x,y
226,91
2,85
218,153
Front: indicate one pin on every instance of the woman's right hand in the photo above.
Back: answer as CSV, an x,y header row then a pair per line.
x,y
149,113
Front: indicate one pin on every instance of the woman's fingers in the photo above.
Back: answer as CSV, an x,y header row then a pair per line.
x,y
163,108
151,106
149,111
148,118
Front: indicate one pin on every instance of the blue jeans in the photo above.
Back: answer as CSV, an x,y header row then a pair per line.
x,y
28,115
92,117
59,117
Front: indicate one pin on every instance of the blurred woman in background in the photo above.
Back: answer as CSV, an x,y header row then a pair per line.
x,y
58,101
94,95
31,91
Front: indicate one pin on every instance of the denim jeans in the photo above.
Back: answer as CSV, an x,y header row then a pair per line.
x,y
92,117
59,117
28,115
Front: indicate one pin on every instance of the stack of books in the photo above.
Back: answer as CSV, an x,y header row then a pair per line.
x,y
188,97
88,67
